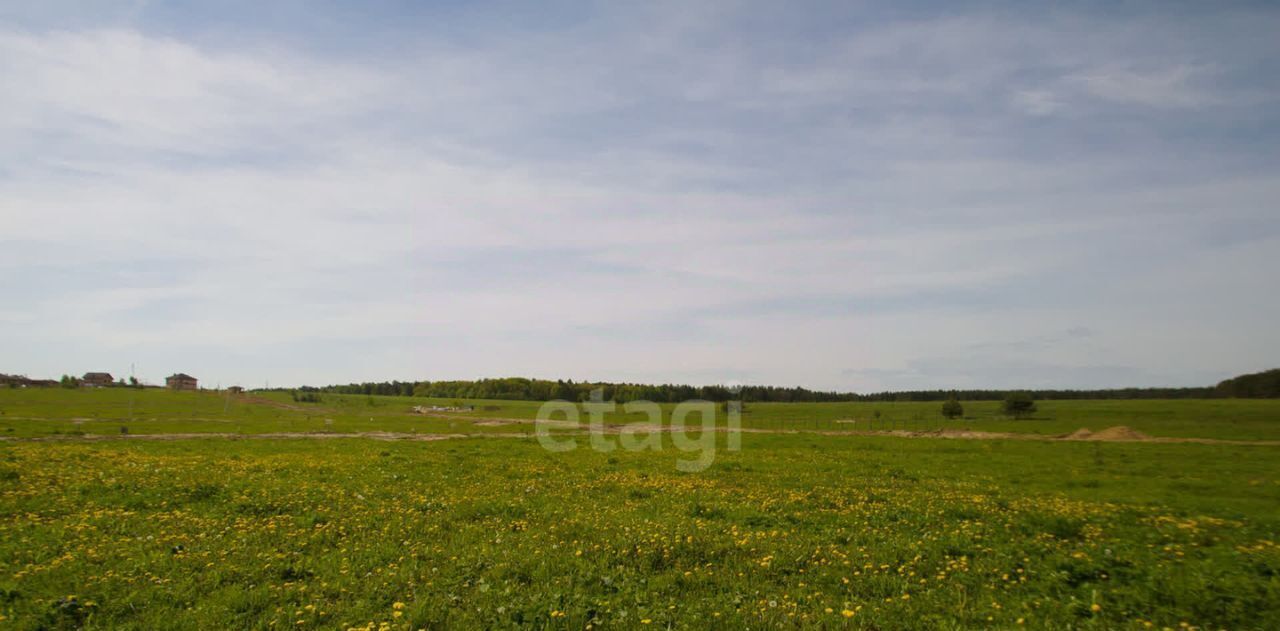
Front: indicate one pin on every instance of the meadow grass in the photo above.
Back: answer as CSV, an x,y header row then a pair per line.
x,y
793,531
47,411
33,412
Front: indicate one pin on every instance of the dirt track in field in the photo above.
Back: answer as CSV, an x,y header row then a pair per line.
x,y
1118,434
1112,434
266,435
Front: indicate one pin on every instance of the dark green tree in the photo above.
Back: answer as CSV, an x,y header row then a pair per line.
x,y
1018,405
951,408
1264,384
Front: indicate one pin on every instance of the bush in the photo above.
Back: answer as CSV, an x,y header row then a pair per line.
x,y
1019,405
305,397
951,408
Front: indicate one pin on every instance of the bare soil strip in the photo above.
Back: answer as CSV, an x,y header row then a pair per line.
x,y
230,436
1112,434
1118,434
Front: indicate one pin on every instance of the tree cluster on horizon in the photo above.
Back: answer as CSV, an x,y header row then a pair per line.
x,y
1264,384
1258,385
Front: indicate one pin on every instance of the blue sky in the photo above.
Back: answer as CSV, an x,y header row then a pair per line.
x,y
836,195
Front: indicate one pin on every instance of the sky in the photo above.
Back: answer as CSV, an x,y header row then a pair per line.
x,y
849,196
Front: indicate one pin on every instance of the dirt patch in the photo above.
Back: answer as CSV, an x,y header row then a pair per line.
x,y
975,435
1112,434
501,422
230,436
961,434
1117,433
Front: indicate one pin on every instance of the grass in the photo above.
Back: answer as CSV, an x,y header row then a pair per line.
x,y
104,411
859,532
34,412
795,530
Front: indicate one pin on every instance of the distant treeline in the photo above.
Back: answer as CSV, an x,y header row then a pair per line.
x,y
999,395
21,381
1264,384
522,389
1259,385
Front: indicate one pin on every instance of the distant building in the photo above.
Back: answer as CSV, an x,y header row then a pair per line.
x,y
97,379
235,390
180,381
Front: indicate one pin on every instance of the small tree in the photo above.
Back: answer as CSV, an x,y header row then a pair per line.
x,y
1019,405
68,381
951,408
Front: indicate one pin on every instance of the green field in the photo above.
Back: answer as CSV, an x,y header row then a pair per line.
x,y
52,411
795,530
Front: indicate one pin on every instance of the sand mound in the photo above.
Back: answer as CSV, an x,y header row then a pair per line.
x,y
949,432
1119,432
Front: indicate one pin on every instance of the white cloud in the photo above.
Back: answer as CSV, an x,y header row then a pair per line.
x,y
1173,86
692,201
117,90
1037,102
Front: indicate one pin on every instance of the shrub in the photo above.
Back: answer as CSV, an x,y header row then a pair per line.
x,y
951,408
1019,405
